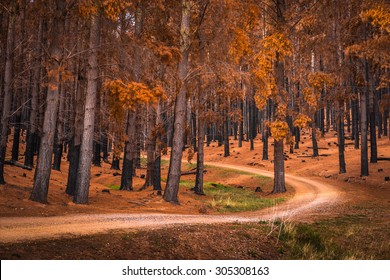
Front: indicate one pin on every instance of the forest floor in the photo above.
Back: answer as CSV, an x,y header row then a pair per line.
x,y
338,215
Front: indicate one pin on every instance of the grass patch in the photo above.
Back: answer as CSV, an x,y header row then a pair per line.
x,y
344,238
144,162
114,187
230,199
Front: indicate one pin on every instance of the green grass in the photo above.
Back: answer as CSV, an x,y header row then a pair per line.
x,y
347,237
230,199
227,172
114,187
144,162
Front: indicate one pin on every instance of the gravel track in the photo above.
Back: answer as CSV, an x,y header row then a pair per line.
x,y
312,198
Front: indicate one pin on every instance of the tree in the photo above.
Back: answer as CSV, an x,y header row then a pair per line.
x,y
43,169
7,97
172,187
84,168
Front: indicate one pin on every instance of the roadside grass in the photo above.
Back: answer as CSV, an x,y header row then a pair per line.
x,y
349,237
231,199
114,187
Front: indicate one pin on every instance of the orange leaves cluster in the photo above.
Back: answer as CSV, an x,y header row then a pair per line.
x,y
279,129
129,95
319,80
378,16
110,8
273,47
240,46
302,121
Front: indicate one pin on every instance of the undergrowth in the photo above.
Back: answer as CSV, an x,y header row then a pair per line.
x,y
231,199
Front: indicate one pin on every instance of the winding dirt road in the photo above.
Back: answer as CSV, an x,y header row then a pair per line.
x,y
311,199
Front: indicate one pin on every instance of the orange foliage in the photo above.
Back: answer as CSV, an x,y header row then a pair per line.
x,y
279,129
302,121
128,95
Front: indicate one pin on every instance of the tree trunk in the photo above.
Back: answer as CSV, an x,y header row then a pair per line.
x,y
158,146
59,139
84,169
150,148
314,138
341,140
32,128
279,178
355,123
174,172
74,159
7,99
129,153
251,125
43,170
75,142
297,137
200,157
373,142
385,122
16,140
363,127
265,143
241,125
226,135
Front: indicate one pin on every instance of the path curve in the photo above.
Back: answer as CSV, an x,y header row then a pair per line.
x,y
311,197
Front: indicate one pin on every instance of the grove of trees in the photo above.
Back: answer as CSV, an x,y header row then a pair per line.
x,y
103,80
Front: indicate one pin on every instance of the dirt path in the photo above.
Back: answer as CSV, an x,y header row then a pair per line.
x,y
310,200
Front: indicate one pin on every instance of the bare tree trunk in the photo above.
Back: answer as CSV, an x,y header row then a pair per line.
x,y
43,170
84,169
158,146
279,177
75,143
128,160
363,124
241,125
201,124
150,148
341,139
200,156
58,146
314,137
20,87
174,172
7,101
373,135
32,130
226,135
132,127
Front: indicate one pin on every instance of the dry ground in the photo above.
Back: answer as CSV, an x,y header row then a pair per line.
x,y
366,200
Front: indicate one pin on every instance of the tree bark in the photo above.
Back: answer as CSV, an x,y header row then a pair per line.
x,y
341,140
32,128
363,124
84,169
129,153
226,136
150,148
314,138
241,125
158,146
7,99
279,177
173,181
43,170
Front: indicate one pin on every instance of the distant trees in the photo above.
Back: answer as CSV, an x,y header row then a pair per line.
x,y
98,78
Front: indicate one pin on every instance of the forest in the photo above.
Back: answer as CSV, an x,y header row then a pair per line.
x,y
133,84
